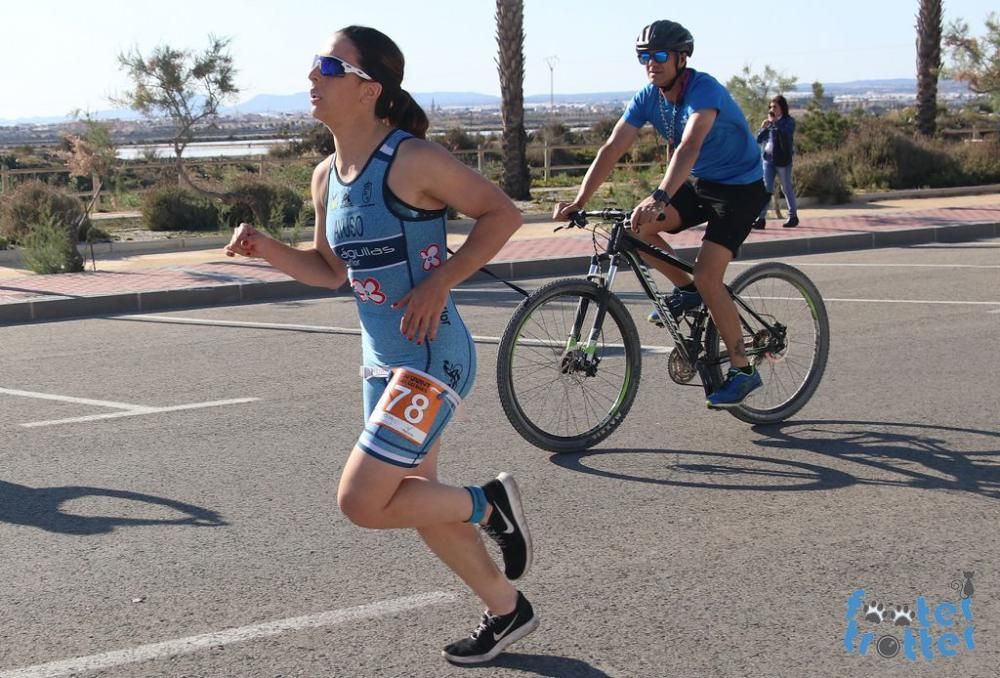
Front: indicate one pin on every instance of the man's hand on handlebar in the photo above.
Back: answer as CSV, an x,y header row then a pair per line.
x,y
563,210
646,211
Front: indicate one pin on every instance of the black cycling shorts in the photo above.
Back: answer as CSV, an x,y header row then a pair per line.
x,y
729,209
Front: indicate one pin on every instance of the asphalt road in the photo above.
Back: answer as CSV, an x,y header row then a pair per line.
x,y
165,540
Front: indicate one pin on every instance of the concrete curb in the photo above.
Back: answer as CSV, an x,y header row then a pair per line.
x,y
125,248
66,307
208,242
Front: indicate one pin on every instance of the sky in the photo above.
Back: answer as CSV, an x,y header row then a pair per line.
x,y
60,56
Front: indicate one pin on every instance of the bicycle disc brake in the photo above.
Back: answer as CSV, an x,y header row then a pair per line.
x,y
576,361
771,346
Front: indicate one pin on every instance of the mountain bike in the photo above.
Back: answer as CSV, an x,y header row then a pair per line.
x,y
570,359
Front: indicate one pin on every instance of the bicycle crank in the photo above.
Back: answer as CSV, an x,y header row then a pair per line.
x,y
679,369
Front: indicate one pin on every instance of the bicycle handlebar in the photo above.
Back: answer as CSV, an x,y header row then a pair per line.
x,y
579,219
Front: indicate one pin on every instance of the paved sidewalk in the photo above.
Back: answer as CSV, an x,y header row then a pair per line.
x,y
193,277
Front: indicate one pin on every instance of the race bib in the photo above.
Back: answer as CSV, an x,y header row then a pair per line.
x,y
410,404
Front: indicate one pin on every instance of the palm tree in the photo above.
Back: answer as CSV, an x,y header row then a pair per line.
x,y
516,180
928,64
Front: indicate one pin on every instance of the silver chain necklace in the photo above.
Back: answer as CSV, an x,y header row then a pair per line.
x,y
670,121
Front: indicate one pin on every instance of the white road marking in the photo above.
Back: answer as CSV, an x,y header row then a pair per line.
x,y
68,399
915,301
341,330
152,317
126,409
180,646
139,410
814,264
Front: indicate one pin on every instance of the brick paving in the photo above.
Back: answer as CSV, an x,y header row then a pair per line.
x,y
558,245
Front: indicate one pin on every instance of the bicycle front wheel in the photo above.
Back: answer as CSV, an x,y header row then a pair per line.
x,y
786,336
557,392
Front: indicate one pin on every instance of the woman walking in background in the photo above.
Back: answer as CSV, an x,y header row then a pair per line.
x,y
777,139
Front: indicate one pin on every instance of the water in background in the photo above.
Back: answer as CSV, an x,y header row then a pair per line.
x,y
204,149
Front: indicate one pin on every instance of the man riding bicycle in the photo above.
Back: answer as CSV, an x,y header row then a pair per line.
x,y
709,139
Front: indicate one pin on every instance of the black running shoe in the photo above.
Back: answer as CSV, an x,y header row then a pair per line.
x,y
493,635
506,525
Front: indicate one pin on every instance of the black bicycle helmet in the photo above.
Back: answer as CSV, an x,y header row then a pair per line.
x,y
665,35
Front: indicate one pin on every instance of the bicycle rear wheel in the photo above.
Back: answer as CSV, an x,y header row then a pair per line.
x,y
791,358
558,395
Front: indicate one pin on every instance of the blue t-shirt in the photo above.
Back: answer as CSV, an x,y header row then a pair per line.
x,y
729,154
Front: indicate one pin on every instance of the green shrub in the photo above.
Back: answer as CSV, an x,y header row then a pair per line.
x,y
307,216
458,139
173,208
820,176
4,243
297,175
820,130
979,161
627,188
50,246
263,203
878,156
95,234
33,202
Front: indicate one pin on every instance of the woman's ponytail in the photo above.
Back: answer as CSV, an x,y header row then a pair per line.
x,y
402,111
381,58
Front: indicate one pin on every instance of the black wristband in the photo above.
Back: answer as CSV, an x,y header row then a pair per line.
x,y
659,195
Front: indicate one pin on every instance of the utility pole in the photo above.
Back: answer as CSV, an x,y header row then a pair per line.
x,y
552,61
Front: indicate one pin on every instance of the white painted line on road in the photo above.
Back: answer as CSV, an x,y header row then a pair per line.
x,y
914,301
240,323
340,330
814,264
922,302
69,399
560,344
173,648
127,409
140,410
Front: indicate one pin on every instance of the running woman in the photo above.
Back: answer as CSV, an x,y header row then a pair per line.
x,y
381,201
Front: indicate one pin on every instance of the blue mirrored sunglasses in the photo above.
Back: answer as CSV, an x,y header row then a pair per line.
x,y
332,67
659,57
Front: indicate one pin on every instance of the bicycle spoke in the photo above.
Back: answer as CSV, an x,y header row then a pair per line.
x,y
586,400
786,336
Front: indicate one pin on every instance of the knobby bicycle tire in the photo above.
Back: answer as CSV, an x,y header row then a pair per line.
x,y
783,294
544,403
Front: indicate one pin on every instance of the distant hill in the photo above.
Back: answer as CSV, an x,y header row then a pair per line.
x,y
299,102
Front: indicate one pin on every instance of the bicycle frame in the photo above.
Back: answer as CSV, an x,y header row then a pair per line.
x,y
624,247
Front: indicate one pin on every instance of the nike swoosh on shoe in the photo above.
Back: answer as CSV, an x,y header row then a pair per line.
x,y
498,636
506,520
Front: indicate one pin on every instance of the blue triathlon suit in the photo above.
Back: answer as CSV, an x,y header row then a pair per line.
x,y
389,247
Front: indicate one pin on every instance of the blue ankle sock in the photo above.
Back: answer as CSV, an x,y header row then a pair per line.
x,y
478,503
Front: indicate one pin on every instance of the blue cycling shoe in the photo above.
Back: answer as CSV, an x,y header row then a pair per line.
x,y
735,389
678,303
